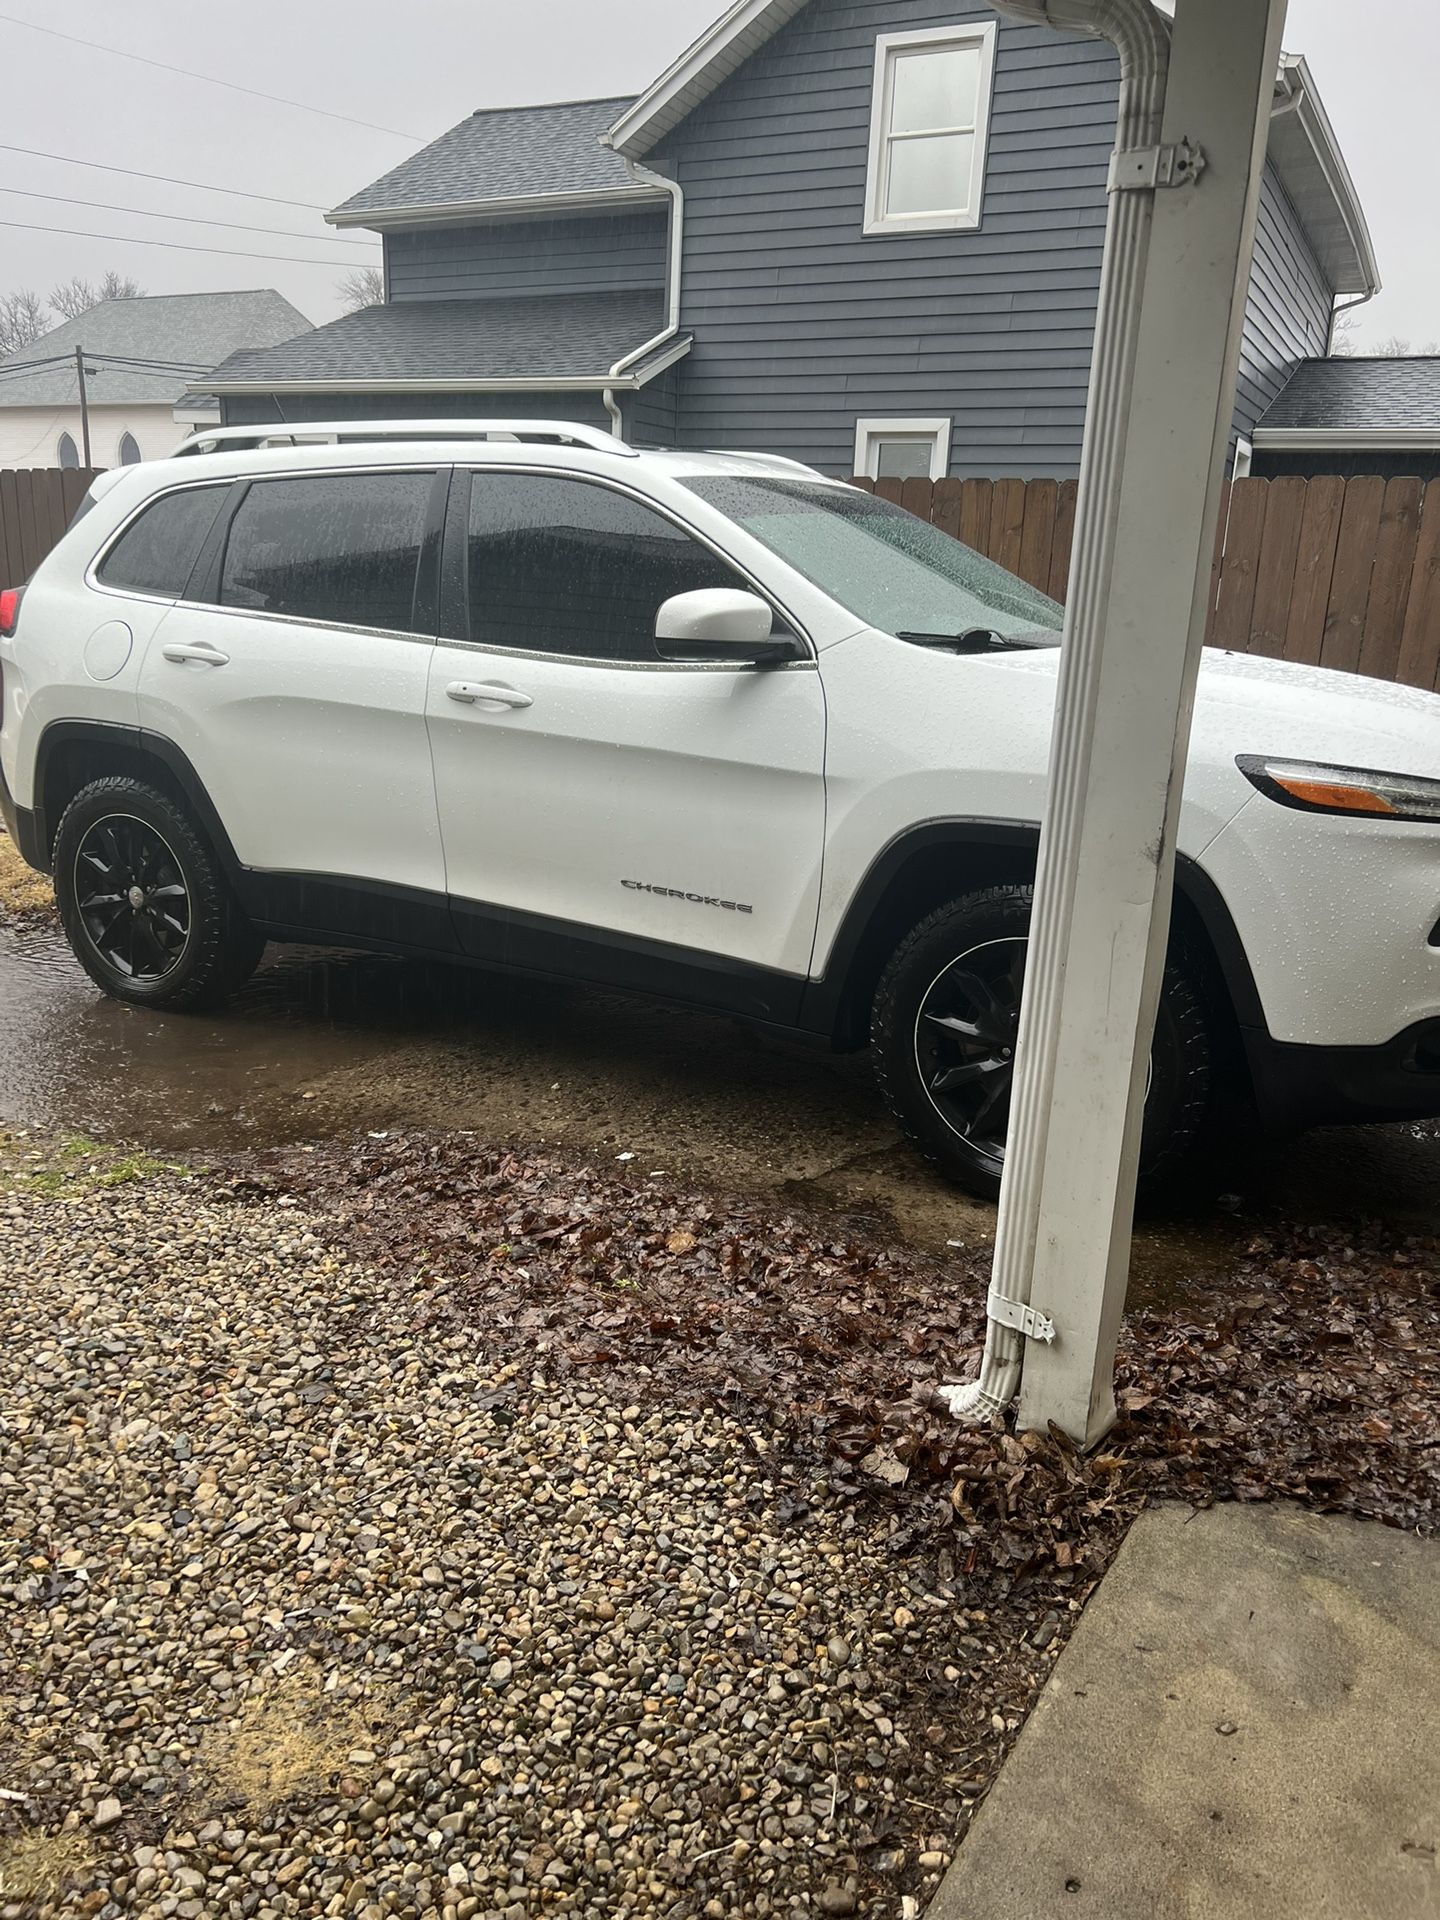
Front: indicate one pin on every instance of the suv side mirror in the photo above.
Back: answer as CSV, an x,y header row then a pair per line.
x,y
722,626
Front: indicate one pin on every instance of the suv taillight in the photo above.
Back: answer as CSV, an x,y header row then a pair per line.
x,y
9,611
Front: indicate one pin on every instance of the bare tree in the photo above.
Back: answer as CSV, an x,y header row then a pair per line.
x,y
22,319
76,296
1346,344
365,287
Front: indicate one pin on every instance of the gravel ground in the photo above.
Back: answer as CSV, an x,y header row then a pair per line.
x,y
312,1604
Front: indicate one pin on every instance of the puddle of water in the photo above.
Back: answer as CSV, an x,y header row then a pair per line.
x,y
324,1043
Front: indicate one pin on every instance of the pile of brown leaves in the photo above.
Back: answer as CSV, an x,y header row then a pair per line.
x,y
1312,1373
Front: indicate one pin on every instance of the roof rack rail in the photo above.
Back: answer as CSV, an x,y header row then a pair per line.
x,y
339,432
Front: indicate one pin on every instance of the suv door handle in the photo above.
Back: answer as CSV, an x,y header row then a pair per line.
x,y
488,693
182,650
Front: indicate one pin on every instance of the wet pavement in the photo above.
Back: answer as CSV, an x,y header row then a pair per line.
x,y
324,1044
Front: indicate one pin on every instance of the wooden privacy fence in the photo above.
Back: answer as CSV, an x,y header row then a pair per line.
x,y
1330,572
37,504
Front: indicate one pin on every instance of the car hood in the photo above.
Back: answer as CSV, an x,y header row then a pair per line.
x,y
1245,703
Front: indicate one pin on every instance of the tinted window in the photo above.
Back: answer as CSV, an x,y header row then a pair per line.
x,y
342,546
565,567
156,552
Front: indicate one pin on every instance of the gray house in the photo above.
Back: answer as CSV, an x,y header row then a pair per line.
x,y
864,233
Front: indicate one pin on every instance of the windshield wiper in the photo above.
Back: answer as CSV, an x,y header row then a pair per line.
x,y
972,640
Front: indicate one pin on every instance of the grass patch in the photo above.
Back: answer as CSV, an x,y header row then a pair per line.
x,y
36,1868
24,894
290,1739
72,1165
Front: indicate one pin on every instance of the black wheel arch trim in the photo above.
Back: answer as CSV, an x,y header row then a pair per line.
x,y
824,1010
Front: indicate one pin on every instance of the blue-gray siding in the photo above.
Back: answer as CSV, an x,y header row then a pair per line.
x,y
651,416
803,323
1287,318
258,409
587,254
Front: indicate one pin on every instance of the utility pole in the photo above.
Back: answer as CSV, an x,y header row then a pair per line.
x,y
84,404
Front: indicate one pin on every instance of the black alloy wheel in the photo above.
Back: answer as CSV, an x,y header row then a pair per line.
x,y
146,904
131,898
944,1024
965,1034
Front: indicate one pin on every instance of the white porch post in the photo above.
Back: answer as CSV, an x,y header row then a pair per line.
x,y
1162,391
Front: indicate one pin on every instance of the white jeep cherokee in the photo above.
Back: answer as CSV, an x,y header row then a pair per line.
x,y
708,725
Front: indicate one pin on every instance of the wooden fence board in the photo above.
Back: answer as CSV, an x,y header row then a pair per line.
x,y
975,514
945,511
1007,523
1314,569
1419,661
1064,540
1037,539
11,571
1354,564
1275,575
1235,601
891,489
1390,579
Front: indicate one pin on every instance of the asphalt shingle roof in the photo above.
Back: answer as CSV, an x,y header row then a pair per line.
x,y
508,153
1349,393
182,329
578,335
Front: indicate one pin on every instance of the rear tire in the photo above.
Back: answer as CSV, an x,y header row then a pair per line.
x,y
943,1037
145,904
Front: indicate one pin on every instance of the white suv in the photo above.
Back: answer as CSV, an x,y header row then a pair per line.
x,y
708,725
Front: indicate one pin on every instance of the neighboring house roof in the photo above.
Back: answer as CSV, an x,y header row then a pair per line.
x,y
1354,402
569,341
541,158
1303,146
184,332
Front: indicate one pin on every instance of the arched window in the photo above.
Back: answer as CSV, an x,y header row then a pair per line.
x,y
67,453
129,450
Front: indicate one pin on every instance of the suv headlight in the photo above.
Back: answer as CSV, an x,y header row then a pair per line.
x,y
1324,789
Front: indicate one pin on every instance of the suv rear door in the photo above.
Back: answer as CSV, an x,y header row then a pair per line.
x,y
605,813
293,678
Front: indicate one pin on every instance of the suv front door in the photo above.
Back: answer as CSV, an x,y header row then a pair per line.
x,y
294,682
605,813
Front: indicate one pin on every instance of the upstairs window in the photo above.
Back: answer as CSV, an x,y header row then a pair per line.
x,y
129,450
928,122
66,453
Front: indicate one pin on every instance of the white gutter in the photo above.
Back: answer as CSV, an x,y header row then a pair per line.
x,y
446,213
668,332
577,383
1375,439
1141,36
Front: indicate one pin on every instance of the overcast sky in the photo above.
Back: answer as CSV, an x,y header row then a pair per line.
x,y
420,66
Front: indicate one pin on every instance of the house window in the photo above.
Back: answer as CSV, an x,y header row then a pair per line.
x,y
928,120
66,452
904,449
129,450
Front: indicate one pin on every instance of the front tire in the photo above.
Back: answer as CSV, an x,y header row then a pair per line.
x,y
145,905
943,1036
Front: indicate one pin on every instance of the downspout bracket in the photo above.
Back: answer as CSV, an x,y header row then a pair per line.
x,y
1142,169
1021,1317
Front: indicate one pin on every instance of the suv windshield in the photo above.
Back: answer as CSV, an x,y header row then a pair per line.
x,y
888,568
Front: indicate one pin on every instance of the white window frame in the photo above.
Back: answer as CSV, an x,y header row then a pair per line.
x,y
975,34
870,431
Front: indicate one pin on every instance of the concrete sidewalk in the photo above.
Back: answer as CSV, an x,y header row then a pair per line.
x,y
1246,1723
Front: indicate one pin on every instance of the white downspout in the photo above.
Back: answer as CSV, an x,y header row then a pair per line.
x,y
1141,37
644,177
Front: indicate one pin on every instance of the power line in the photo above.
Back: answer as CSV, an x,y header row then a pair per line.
x,y
173,246
209,79
190,219
169,180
